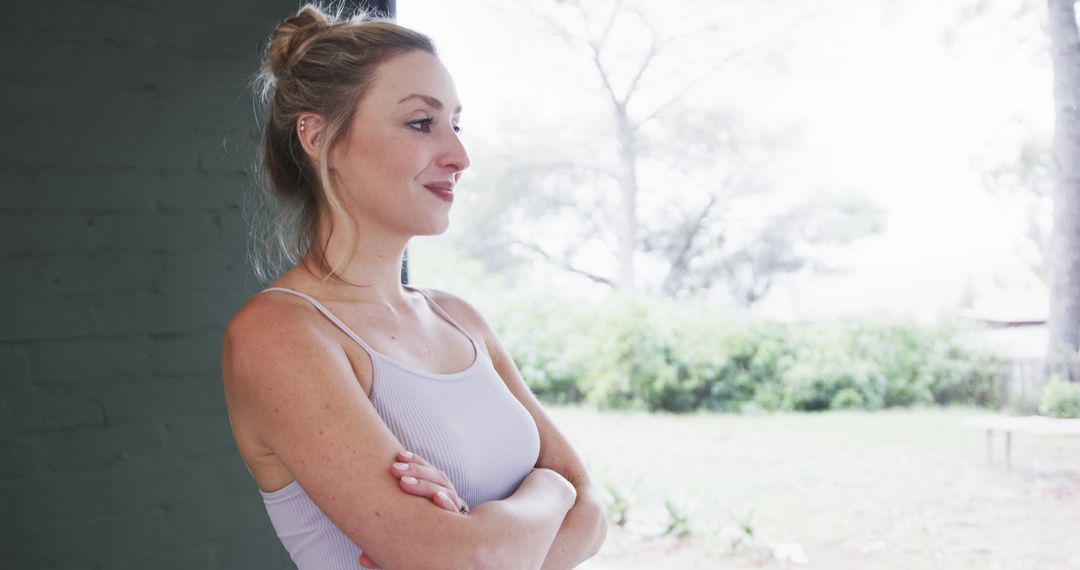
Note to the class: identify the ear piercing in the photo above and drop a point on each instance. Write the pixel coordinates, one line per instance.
(302, 121)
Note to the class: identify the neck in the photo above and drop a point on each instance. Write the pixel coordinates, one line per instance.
(368, 270)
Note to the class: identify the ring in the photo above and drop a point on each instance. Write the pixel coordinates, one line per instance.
(464, 508)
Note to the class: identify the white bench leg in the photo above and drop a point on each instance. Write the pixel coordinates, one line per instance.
(1008, 450)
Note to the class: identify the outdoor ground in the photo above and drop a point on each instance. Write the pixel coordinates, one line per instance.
(906, 489)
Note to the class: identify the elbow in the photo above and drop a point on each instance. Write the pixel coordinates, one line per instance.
(601, 532)
(601, 536)
(599, 519)
(592, 521)
(475, 557)
(493, 557)
(485, 558)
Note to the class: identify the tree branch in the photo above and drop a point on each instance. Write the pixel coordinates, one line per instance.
(565, 264)
(641, 71)
(681, 93)
(679, 263)
(610, 23)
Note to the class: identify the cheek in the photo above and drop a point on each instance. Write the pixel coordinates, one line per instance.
(395, 156)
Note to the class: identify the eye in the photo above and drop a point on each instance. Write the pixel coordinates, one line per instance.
(457, 128)
(422, 125)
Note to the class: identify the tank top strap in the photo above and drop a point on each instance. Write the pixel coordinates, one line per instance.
(443, 312)
(333, 318)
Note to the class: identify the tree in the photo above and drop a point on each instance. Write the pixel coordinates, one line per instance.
(665, 181)
(1064, 326)
(1017, 163)
(1024, 181)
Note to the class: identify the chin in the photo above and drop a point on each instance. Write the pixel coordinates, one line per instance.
(438, 229)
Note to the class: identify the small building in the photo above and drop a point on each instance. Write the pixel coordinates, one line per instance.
(1020, 340)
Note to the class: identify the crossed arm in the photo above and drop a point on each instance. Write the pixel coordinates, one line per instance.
(417, 477)
(583, 528)
(291, 378)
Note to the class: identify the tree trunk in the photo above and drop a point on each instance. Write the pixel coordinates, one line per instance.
(629, 186)
(1064, 254)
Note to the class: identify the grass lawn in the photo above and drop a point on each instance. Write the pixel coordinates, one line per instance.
(903, 489)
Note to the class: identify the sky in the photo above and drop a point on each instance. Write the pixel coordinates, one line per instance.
(887, 106)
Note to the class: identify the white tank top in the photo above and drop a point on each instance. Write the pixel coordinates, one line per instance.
(467, 424)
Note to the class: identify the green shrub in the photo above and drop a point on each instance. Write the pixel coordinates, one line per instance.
(632, 352)
(847, 399)
(1060, 399)
(545, 342)
(637, 363)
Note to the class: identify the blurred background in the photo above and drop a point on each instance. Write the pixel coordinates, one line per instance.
(706, 219)
(791, 161)
(765, 261)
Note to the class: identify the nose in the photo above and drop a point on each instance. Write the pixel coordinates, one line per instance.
(454, 155)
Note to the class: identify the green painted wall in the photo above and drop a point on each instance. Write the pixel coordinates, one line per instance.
(128, 140)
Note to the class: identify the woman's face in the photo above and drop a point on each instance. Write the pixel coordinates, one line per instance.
(402, 157)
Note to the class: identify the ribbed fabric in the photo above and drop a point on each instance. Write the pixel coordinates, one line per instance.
(467, 424)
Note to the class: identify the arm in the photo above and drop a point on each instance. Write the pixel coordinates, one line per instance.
(420, 478)
(582, 532)
(585, 526)
(294, 382)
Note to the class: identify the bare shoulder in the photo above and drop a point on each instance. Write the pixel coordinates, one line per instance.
(467, 315)
(264, 309)
(262, 313)
(267, 325)
(281, 305)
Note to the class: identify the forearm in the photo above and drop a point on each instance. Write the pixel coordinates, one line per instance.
(582, 532)
(519, 531)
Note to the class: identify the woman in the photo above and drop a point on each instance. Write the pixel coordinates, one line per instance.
(371, 437)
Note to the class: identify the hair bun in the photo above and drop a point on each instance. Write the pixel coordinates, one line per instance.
(290, 40)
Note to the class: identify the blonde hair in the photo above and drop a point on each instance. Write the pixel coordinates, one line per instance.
(323, 63)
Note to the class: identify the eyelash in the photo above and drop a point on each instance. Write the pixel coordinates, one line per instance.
(426, 125)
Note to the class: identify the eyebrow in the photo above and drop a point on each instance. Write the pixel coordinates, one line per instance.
(429, 100)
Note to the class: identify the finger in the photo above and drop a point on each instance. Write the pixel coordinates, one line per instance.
(424, 472)
(415, 465)
(367, 562)
(441, 496)
(410, 457)
(443, 499)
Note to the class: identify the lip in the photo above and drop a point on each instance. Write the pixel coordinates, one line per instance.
(443, 190)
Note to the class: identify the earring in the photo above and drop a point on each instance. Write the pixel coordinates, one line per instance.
(302, 121)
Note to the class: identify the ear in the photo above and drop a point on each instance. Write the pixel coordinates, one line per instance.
(309, 129)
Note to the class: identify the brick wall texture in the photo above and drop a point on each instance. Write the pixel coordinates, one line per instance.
(129, 140)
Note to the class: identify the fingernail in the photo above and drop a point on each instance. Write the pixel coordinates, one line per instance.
(401, 466)
(407, 454)
(442, 495)
(409, 480)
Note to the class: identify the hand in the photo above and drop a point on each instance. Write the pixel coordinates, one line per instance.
(420, 478)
